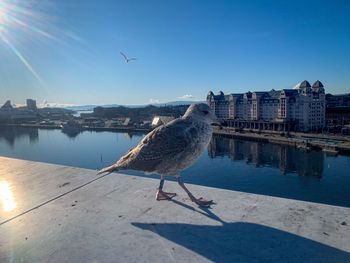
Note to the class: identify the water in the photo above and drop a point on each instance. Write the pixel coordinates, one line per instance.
(246, 166)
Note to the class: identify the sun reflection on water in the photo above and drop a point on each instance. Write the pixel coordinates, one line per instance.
(6, 196)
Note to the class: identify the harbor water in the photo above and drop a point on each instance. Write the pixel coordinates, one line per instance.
(247, 166)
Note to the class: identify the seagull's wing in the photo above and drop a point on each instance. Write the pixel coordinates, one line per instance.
(163, 143)
(124, 55)
(132, 59)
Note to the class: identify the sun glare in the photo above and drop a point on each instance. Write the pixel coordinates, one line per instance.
(6, 196)
(12, 16)
(2, 17)
(22, 22)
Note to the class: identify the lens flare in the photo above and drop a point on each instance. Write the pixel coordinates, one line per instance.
(19, 55)
(23, 22)
(33, 28)
(6, 196)
(11, 13)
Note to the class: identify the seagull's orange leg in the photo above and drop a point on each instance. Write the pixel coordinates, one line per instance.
(199, 201)
(161, 195)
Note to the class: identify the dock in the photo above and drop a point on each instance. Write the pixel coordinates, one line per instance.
(53, 213)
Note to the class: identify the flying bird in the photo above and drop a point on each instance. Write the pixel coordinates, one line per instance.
(171, 148)
(127, 59)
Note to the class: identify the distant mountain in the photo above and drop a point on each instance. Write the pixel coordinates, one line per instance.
(175, 103)
(91, 107)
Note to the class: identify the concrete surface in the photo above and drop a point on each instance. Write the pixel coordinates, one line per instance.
(66, 214)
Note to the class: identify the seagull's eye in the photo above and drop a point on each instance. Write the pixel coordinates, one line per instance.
(205, 112)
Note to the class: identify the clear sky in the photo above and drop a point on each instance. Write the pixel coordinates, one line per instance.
(68, 51)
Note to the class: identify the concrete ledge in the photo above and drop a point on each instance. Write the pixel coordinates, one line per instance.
(116, 219)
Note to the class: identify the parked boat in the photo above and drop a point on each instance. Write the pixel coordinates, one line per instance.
(71, 128)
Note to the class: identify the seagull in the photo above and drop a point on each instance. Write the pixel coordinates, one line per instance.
(171, 148)
(127, 59)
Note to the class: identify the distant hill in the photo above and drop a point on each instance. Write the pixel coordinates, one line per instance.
(139, 114)
(175, 103)
(91, 107)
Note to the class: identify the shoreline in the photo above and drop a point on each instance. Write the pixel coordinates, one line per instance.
(40, 126)
(329, 144)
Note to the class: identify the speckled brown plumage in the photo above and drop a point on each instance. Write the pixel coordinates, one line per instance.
(171, 148)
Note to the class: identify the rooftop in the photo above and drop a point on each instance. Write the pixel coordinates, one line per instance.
(317, 84)
(305, 84)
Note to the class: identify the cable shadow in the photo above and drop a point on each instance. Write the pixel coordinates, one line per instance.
(245, 242)
(204, 211)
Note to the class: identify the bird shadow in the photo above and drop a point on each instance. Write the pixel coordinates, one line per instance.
(245, 242)
(242, 241)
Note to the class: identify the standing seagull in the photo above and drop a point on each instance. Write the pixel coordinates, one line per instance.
(171, 148)
(127, 59)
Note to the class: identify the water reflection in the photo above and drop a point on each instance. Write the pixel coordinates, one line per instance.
(11, 133)
(287, 159)
(71, 134)
(129, 135)
(6, 196)
(94, 150)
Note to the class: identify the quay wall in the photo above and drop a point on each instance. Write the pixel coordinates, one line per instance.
(312, 142)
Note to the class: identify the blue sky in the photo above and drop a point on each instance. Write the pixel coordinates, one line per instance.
(182, 48)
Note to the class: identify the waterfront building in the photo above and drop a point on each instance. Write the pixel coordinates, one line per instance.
(301, 108)
(159, 120)
(7, 106)
(5, 111)
(31, 105)
(127, 122)
(338, 100)
(337, 111)
(9, 114)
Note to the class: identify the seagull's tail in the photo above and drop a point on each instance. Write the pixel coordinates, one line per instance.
(109, 169)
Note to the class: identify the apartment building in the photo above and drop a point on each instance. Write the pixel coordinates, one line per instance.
(301, 108)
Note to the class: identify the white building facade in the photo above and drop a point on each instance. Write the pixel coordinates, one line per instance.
(302, 108)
